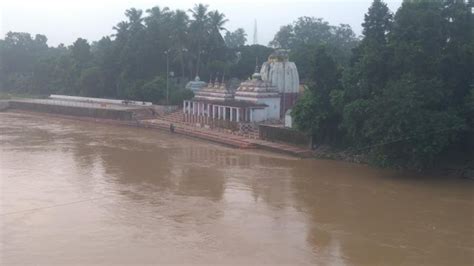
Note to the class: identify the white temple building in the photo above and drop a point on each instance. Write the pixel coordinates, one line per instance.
(254, 101)
(260, 92)
(283, 74)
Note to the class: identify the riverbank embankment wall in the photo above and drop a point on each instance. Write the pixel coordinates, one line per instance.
(72, 110)
(4, 105)
(286, 135)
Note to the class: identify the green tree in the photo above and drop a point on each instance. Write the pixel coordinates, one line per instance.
(400, 108)
(283, 38)
(216, 44)
(315, 113)
(180, 36)
(243, 65)
(369, 70)
(306, 34)
(198, 28)
(407, 126)
(91, 83)
(81, 53)
(236, 38)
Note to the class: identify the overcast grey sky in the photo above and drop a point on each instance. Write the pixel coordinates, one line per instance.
(63, 21)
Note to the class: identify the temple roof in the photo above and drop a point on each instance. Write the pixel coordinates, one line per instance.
(233, 103)
(214, 92)
(196, 84)
(257, 86)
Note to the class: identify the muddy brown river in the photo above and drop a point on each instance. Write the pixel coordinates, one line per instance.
(83, 193)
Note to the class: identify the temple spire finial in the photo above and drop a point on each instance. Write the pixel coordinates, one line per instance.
(256, 75)
(256, 65)
(210, 84)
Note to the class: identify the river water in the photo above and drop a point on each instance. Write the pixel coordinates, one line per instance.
(83, 193)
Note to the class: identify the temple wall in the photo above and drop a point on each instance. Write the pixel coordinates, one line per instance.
(259, 115)
(272, 111)
(288, 100)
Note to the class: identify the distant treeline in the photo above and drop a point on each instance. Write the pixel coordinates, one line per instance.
(403, 93)
(131, 63)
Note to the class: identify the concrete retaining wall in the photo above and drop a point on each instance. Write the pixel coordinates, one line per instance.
(281, 134)
(73, 110)
(4, 105)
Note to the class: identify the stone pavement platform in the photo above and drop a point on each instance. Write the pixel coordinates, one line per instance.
(226, 138)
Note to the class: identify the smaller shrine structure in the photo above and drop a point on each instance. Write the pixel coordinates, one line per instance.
(196, 84)
(254, 101)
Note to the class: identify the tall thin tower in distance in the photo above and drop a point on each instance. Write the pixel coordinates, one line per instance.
(255, 33)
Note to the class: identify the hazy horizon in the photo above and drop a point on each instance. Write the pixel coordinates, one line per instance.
(64, 21)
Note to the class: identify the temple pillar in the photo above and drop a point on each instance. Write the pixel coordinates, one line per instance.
(238, 112)
(231, 113)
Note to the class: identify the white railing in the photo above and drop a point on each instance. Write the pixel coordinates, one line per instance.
(76, 103)
(98, 100)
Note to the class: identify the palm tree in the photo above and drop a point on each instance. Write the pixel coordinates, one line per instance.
(121, 28)
(198, 28)
(135, 18)
(216, 22)
(216, 41)
(159, 27)
(157, 14)
(180, 23)
(200, 15)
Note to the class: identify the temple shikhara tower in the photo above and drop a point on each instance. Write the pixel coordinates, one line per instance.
(282, 74)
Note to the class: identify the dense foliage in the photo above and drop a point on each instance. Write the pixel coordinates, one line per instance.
(305, 35)
(131, 63)
(406, 96)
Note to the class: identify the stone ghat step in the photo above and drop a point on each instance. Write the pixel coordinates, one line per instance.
(229, 139)
(177, 117)
(202, 134)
